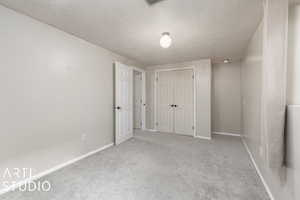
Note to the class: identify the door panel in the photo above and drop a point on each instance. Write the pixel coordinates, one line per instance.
(123, 103)
(137, 100)
(165, 96)
(184, 101)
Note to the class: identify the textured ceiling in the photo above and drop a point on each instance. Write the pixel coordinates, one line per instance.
(214, 29)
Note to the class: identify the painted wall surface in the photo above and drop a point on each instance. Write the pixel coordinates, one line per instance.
(226, 98)
(284, 183)
(293, 89)
(251, 73)
(203, 94)
(56, 94)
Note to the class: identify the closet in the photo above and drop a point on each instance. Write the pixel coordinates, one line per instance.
(175, 101)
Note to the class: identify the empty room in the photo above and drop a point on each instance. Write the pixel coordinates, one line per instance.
(150, 99)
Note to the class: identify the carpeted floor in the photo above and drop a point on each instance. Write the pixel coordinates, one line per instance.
(153, 166)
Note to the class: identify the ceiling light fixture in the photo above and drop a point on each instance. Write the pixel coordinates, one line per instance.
(226, 61)
(165, 40)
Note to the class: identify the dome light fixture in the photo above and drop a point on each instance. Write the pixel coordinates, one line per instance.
(165, 40)
(226, 61)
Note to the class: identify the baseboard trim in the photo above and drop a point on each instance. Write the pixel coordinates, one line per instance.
(227, 134)
(150, 130)
(53, 169)
(202, 137)
(258, 171)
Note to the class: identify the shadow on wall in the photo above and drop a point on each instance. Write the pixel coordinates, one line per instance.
(290, 174)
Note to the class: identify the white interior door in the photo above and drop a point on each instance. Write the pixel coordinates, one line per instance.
(164, 102)
(138, 100)
(184, 102)
(123, 103)
(175, 101)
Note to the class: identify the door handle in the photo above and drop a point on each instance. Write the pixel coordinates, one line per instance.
(118, 108)
(172, 105)
(175, 106)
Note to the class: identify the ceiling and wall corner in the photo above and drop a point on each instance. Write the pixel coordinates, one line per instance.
(215, 29)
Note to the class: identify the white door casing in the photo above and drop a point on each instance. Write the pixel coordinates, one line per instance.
(123, 102)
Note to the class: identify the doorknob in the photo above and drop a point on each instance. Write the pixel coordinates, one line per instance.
(175, 106)
(118, 108)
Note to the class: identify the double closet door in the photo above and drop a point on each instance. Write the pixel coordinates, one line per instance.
(175, 101)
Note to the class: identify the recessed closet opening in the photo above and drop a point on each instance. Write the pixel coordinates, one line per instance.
(175, 101)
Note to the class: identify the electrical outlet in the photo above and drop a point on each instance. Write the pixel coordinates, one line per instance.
(83, 137)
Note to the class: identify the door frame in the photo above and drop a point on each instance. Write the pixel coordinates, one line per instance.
(143, 105)
(155, 92)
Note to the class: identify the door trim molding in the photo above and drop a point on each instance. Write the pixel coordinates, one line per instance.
(155, 92)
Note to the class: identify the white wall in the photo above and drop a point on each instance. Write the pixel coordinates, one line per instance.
(284, 183)
(226, 97)
(293, 87)
(203, 94)
(54, 88)
(251, 76)
(293, 98)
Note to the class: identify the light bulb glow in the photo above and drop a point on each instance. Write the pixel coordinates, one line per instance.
(226, 61)
(165, 40)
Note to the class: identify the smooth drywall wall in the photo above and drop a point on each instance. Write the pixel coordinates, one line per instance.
(203, 94)
(284, 183)
(226, 97)
(251, 91)
(293, 79)
(56, 94)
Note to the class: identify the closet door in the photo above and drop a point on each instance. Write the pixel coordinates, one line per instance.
(184, 102)
(164, 100)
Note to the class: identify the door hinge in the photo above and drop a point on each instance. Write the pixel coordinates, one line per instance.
(193, 77)
(156, 78)
(193, 127)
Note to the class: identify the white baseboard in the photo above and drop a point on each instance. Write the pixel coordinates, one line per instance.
(258, 171)
(227, 134)
(202, 137)
(51, 170)
(151, 130)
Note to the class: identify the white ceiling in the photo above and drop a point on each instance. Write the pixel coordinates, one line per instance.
(200, 28)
